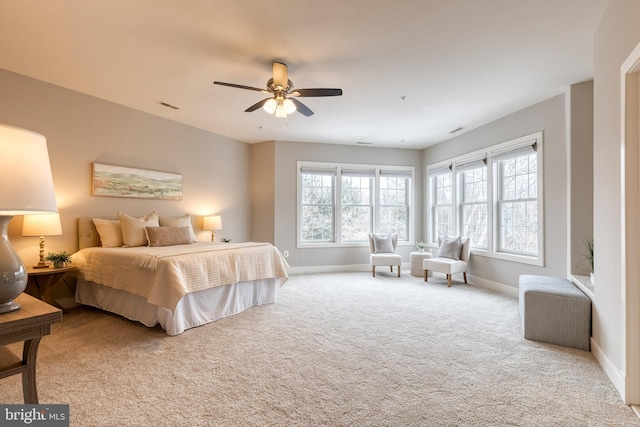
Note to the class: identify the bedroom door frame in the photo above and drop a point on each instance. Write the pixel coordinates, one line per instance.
(630, 238)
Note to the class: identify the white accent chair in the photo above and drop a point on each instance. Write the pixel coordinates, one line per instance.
(447, 265)
(383, 249)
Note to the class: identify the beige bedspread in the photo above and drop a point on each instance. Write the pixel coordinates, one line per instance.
(162, 275)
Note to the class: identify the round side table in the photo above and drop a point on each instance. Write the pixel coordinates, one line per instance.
(416, 263)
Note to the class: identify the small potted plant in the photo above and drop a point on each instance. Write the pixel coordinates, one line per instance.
(421, 245)
(225, 240)
(59, 259)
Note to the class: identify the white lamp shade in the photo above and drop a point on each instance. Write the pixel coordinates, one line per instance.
(26, 184)
(42, 225)
(289, 106)
(212, 222)
(270, 106)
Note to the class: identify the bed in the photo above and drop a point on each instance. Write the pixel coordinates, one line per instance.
(178, 286)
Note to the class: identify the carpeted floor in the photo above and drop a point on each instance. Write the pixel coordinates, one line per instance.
(341, 349)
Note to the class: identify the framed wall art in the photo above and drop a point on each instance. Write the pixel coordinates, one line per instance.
(121, 181)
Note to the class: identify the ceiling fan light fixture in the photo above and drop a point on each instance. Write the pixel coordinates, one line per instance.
(281, 111)
(289, 106)
(270, 106)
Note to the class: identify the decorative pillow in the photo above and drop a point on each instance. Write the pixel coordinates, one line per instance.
(109, 231)
(168, 236)
(133, 232)
(382, 244)
(450, 247)
(179, 221)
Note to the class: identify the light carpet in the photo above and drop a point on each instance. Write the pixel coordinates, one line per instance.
(341, 349)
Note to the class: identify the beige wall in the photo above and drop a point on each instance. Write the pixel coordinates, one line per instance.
(287, 155)
(580, 169)
(81, 129)
(263, 192)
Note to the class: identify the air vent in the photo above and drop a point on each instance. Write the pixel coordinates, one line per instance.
(456, 130)
(168, 105)
(364, 143)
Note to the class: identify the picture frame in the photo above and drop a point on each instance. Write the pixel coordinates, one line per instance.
(122, 181)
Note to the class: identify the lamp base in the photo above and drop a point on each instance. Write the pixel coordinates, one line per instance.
(8, 307)
(41, 265)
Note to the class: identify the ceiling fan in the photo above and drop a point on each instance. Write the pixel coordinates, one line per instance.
(283, 101)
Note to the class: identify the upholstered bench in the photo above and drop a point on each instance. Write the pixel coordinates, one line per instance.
(555, 311)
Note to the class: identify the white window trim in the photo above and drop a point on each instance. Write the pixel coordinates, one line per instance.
(338, 201)
(492, 226)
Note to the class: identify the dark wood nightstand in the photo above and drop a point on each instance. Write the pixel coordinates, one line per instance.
(40, 280)
(29, 323)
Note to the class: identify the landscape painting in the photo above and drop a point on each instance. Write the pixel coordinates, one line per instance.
(120, 181)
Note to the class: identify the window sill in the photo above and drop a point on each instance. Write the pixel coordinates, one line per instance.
(584, 284)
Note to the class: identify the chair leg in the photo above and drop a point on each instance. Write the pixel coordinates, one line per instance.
(399, 271)
(448, 280)
(373, 270)
(465, 276)
(426, 275)
(391, 268)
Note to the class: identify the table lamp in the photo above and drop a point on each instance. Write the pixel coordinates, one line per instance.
(41, 225)
(212, 223)
(26, 187)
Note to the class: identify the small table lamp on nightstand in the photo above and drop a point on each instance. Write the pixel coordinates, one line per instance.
(212, 223)
(41, 225)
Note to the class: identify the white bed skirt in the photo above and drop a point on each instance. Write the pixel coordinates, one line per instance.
(193, 309)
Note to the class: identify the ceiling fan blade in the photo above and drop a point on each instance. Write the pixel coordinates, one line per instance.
(280, 75)
(317, 92)
(241, 86)
(301, 108)
(257, 105)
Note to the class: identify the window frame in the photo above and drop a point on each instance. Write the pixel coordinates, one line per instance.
(492, 154)
(337, 242)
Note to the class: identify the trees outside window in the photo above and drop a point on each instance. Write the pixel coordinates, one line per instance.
(492, 196)
(342, 203)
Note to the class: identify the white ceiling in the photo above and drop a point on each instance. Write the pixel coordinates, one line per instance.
(459, 63)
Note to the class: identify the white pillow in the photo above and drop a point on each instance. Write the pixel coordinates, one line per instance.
(382, 244)
(110, 232)
(450, 247)
(179, 221)
(133, 232)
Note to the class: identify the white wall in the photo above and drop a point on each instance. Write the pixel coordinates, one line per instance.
(81, 129)
(616, 36)
(549, 117)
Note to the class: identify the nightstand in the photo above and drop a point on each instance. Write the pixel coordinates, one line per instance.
(39, 280)
(29, 323)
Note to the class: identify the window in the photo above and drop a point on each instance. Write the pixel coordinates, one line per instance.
(317, 204)
(473, 201)
(518, 203)
(492, 196)
(357, 205)
(394, 203)
(441, 203)
(340, 204)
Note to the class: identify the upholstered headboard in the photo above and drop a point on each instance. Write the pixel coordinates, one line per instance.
(88, 236)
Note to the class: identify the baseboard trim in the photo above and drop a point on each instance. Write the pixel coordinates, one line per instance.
(616, 377)
(495, 286)
(406, 267)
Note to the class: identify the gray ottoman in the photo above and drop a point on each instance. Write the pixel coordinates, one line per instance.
(555, 311)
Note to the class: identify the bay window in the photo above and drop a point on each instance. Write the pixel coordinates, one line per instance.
(494, 197)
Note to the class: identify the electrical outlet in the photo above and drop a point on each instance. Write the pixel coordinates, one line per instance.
(286, 254)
